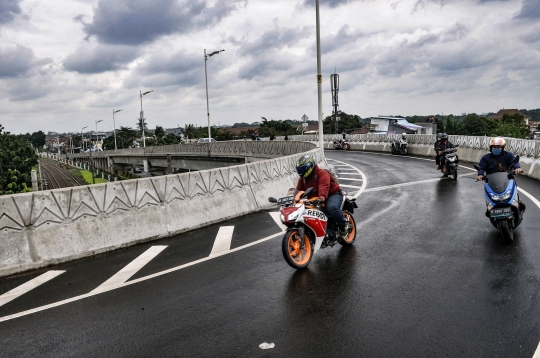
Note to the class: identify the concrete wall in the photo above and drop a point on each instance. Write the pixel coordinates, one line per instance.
(48, 227)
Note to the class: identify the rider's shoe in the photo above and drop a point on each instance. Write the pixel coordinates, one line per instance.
(438, 167)
(445, 175)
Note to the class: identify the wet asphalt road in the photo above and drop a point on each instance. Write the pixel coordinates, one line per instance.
(427, 277)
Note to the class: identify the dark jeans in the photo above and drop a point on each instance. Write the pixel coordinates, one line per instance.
(333, 208)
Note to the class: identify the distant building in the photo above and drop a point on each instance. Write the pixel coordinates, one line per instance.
(397, 125)
(175, 131)
(510, 112)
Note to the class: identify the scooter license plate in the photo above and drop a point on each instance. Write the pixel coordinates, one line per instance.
(500, 212)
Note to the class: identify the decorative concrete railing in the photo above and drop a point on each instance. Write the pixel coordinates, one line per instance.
(48, 227)
(261, 149)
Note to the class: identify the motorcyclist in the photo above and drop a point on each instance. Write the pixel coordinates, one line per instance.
(497, 160)
(403, 139)
(444, 144)
(435, 148)
(326, 189)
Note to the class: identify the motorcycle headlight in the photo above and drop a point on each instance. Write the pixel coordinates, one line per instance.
(282, 218)
(501, 197)
(293, 216)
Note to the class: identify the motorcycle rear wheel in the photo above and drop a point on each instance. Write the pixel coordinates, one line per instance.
(352, 235)
(291, 246)
(507, 232)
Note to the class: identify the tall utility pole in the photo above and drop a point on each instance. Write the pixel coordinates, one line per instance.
(334, 84)
(142, 118)
(114, 124)
(319, 75)
(206, 81)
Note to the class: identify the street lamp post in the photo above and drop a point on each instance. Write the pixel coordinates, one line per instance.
(114, 124)
(142, 117)
(206, 80)
(82, 138)
(319, 75)
(101, 120)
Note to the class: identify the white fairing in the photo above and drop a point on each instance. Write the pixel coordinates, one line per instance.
(319, 215)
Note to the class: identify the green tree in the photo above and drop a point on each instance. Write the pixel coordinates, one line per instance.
(16, 161)
(474, 125)
(346, 123)
(510, 126)
(272, 127)
(170, 138)
(159, 133)
(37, 139)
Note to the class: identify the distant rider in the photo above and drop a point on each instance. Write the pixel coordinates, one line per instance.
(403, 139)
(498, 160)
(327, 190)
(443, 145)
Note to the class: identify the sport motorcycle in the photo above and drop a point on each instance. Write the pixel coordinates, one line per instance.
(341, 144)
(309, 228)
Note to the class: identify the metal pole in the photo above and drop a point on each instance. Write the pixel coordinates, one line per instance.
(114, 126)
(319, 75)
(206, 81)
(142, 123)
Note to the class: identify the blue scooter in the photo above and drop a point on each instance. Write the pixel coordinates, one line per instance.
(504, 209)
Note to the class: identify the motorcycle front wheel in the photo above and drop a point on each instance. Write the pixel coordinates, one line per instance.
(352, 234)
(293, 252)
(454, 173)
(346, 147)
(505, 227)
(403, 150)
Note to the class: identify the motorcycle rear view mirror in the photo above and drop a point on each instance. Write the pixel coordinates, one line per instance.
(516, 159)
(476, 167)
(309, 190)
(272, 199)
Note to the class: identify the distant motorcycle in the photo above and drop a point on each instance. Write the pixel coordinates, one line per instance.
(341, 144)
(451, 162)
(399, 147)
(504, 208)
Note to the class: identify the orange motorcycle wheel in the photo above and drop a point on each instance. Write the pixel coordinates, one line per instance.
(293, 252)
(349, 239)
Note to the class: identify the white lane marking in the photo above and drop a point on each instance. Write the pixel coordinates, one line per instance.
(409, 183)
(533, 199)
(131, 269)
(350, 186)
(353, 179)
(145, 278)
(28, 286)
(364, 182)
(223, 241)
(537, 352)
(276, 216)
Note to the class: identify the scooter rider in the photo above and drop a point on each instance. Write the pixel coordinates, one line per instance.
(443, 144)
(327, 190)
(498, 160)
(403, 139)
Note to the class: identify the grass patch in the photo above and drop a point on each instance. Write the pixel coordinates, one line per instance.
(87, 176)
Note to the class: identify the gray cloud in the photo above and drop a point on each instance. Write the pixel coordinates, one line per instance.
(329, 3)
(101, 58)
(8, 10)
(272, 40)
(134, 22)
(529, 10)
(16, 61)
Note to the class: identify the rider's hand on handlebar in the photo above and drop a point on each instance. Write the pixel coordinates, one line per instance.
(518, 170)
(480, 177)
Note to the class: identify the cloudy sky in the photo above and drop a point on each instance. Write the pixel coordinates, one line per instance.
(66, 64)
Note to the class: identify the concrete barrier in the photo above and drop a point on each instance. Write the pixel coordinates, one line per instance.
(471, 149)
(48, 227)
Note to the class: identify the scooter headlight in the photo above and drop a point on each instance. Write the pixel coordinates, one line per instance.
(501, 197)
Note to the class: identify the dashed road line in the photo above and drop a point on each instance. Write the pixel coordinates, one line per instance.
(28, 286)
(276, 216)
(131, 269)
(362, 175)
(223, 241)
